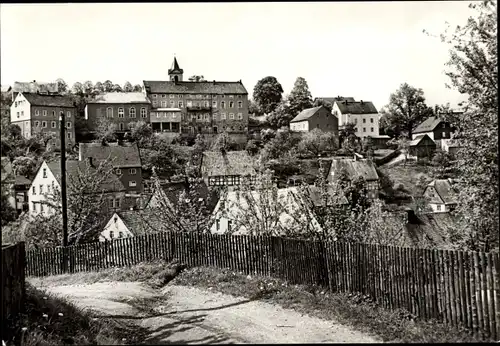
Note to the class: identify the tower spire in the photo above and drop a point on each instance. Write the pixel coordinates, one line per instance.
(175, 72)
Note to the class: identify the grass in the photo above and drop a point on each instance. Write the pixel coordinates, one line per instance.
(49, 320)
(354, 310)
(408, 176)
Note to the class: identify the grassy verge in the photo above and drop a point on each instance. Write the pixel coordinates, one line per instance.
(155, 274)
(49, 320)
(354, 310)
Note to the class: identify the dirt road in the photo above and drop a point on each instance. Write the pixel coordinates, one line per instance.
(195, 316)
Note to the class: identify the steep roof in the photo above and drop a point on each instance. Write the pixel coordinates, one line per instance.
(5, 88)
(444, 190)
(356, 107)
(73, 167)
(306, 114)
(48, 100)
(333, 198)
(428, 125)
(139, 222)
(231, 163)
(122, 155)
(175, 67)
(419, 139)
(121, 97)
(332, 100)
(360, 167)
(21, 180)
(214, 87)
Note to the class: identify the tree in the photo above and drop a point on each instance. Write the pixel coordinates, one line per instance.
(99, 87)
(25, 165)
(254, 109)
(281, 115)
(9, 214)
(137, 88)
(141, 132)
(403, 145)
(406, 110)
(77, 89)
(442, 165)
(367, 147)
(316, 142)
(223, 143)
(116, 88)
(62, 87)
(197, 78)
(105, 130)
(320, 102)
(87, 212)
(127, 87)
(300, 97)
(473, 71)
(108, 86)
(252, 147)
(268, 94)
(88, 88)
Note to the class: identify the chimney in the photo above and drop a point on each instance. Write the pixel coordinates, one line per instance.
(362, 103)
(214, 81)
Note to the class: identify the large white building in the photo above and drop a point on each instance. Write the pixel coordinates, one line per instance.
(361, 113)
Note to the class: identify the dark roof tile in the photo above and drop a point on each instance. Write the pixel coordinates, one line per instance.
(357, 107)
(49, 100)
(306, 114)
(126, 155)
(215, 163)
(216, 87)
(428, 125)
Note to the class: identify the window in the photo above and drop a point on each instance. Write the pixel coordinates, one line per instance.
(371, 129)
(180, 96)
(68, 114)
(69, 135)
(207, 117)
(371, 120)
(53, 113)
(18, 114)
(231, 96)
(132, 171)
(223, 96)
(132, 183)
(231, 104)
(364, 129)
(172, 96)
(37, 112)
(117, 203)
(199, 117)
(172, 104)
(164, 104)
(155, 96)
(199, 96)
(41, 189)
(223, 116)
(438, 207)
(44, 124)
(217, 222)
(231, 116)
(155, 103)
(118, 171)
(163, 96)
(444, 134)
(364, 121)
(240, 104)
(121, 112)
(53, 124)
(214, 104)
(181, 104)
(37, 124)
(131, 112)
(143, 112)
(120, 126)
(229, 222)
(111, 234)
(34, 191)
(207, 103)
(44, 113)
(189, 103)
(68, 125)
(45, 172)
(120, 234)
(356, 129)
(222, 104)
(41, 207)
(443, 125)
(240, 116)
(33, 205)
(109, 112)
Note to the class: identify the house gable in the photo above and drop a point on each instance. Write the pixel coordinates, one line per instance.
(21, 106)
(431, 193)
(48, 183)
(115, 225)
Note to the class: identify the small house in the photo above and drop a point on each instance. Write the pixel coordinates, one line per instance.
(364, 168)
(127, 224)
(442, 197)
(436, 128)
(227, 168)
(421, 146)
(315, 118)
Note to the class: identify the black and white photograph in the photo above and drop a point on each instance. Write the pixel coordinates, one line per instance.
(249, 172)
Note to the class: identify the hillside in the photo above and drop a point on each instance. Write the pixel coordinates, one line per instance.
(413, 177)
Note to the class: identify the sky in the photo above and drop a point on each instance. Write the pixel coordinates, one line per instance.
(361, 49)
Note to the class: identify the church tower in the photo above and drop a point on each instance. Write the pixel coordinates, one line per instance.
(175, 73)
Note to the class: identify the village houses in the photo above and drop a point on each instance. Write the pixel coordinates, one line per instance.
(227, 168)
(436, 128)
(206, 107)
(442, 198)
(119, 108)
(47, 181)
(357, 168)
(422, 146)
(362, 114)
(315, 118)
(35, 112)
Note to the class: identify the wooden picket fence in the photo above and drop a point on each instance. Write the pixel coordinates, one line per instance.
(456, 287)
(13, 281)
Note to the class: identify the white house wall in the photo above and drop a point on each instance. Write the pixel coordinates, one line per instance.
(46, 187)
(443, 208)
(300, 126)
(430, 134)
(23, 108)
(115, 225)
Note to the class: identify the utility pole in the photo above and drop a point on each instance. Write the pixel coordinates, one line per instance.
(62, 124)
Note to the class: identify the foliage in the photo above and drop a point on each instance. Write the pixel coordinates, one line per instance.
(281, 116)
(442, 163)
(252, 148)
(267, 93)
(127, 87)
(223, 143)
(281, 146)
(473, 70)
(141, 133)
(62, 87)
(300, 97)
(367, 147)
(253, 108)
(107, 86)
(403, 145)
(405, 111)
(8, 212)
(267, 134)
(316, 142)
(26, 165)
(87, 208)
(320, 102)
(105, 131)
(77, 89)
(137, 88)
(197, 78)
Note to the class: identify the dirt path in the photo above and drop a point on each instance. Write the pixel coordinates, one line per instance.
(192, 315)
